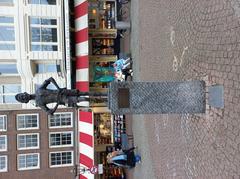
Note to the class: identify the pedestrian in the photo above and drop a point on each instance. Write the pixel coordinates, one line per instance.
(127, 73)
(122, 64)
(123, 158)
(119, 76)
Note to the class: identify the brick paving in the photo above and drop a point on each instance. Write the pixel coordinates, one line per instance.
(186, 40)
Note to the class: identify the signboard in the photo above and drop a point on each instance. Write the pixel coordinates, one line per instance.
(67, 43)
(93, 169)
(100, 168)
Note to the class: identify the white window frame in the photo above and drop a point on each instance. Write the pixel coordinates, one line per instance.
(8, 25)
(4, 117)
(28, 148)
(40, 26)
(7, 3)
(6, 142)
(43, 4)
(45, 67)
(28, 168)
(6, 163)
(57, 127)
(9, 74)
(30, 128)
(60, 146)
(61, 165)
(8, 94)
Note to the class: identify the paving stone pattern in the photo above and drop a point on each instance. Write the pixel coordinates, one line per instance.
(159, 97)
(189, 40)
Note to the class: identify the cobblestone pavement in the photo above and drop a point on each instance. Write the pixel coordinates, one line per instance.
(185, 40)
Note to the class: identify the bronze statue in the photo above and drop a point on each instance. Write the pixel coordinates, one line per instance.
(60, 96)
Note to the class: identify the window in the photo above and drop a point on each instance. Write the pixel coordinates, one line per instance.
(3, 143)
(8, 69)
(61, 159)
(61, 139)
(3, 163)
(46, 2)
(7, 33)
(59, 120)
(6, 2)
(27, 121)
(3, 122)
(43, 34)
(28, 141)
(46, 68)
(28, 161)
(8, 92)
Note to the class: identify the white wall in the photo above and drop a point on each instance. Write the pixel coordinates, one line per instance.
(23, 55)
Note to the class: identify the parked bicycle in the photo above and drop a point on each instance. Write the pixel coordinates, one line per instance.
(123, 1)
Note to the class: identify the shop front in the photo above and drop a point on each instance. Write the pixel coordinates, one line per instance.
(105, 141)
(96, 47)
(99, 133)
(96, 51)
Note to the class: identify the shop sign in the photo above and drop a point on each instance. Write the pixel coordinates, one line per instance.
(67, 43)
(100, 168)
(93, 169)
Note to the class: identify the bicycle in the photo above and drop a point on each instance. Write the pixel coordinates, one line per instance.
(123, 1)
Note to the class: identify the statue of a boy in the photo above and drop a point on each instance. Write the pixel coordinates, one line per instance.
(60, 96)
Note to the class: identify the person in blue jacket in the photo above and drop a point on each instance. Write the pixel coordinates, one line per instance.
(124, 158)
(121, 64)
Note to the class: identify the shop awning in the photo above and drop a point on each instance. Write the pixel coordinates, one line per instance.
(81, 39)
(86, 142)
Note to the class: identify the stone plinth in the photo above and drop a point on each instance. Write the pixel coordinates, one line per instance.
(157, 97)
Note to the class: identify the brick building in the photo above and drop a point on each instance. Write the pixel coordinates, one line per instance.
(34, 145)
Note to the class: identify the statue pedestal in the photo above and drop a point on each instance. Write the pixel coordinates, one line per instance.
(157, 97)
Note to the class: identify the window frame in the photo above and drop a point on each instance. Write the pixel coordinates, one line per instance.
(4, 117)
(6, 163)
(31, 128)
(9, 74)
(61, 165)
(6, 143)
(42, 4)
(45, 68)
(40, 27)
(2, 86)
(28, 168)
(60, 146)
(57, 127)
(7, 24)
(28, 148)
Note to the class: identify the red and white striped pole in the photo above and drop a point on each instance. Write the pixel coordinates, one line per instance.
(81, 38)
(85, 119)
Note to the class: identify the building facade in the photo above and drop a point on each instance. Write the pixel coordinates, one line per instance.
(36, 43)
(32, 46)
(34, 145)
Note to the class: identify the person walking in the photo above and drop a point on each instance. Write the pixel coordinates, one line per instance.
(124, 158)
(121, 64)
(127, 73)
